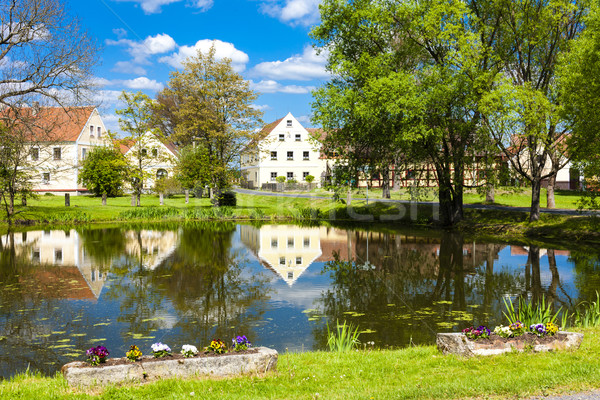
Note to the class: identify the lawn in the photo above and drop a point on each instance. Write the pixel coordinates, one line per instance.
(417, 372)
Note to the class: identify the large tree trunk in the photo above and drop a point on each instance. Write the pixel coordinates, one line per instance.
(536, 187)
(550, 192)
(490, 194)
(385, 188)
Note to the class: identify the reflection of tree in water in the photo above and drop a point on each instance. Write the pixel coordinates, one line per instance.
(103, 245)
(408, 288)
(203, 282)
(29, 309)
(587, 274)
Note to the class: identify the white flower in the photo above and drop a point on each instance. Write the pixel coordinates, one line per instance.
(189, 350)
(160, 347)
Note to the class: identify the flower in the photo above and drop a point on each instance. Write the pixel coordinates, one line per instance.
(538, 329)
(97, 355)
(217, 346)
(482, 332)
(241, 343)
(188, 350)
(134, 353)
(503, 331)
(551, 328)
(161, 350)
(517, 328)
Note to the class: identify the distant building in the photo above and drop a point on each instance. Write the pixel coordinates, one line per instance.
(285, 148)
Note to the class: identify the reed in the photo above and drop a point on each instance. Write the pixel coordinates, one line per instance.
(529, 312)
(344, 338)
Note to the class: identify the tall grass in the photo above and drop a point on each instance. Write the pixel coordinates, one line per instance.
(587, 313)
(344, 338)
(150, 213)
(530, 313)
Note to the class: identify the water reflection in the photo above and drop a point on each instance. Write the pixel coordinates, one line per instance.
(62, 291)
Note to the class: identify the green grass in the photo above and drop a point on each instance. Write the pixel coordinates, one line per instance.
(412, 373)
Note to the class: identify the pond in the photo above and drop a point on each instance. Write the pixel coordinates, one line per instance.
(63, 291)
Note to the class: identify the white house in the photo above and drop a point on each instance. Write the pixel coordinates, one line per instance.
(285, 148)
(60, 140)
(157, 156)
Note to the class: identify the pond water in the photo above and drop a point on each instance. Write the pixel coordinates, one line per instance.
(63, 291)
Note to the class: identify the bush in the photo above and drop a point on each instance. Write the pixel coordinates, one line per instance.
(225, 199)
(168, 187)
(280, 179)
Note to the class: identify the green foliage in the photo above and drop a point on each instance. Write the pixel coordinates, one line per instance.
(344, 338)
(529, 313)
(307, 213)
(149, 213)
(103, 171)
(309, 178)
(587, 313)
(193, 167)
(62, 218)
(168, 186)
(280, 179)
(225, 199)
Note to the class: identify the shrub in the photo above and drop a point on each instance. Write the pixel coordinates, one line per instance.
(280, 179)
(225, 199)
(167, 186)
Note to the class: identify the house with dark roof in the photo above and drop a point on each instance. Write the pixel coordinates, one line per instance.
(284, 149)
(59, 138)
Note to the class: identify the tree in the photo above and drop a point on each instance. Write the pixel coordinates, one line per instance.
(408, 80)
(193, 167)
(45, 57)
(214, 111)
(523, 112)
(142, 142)
(103, 172)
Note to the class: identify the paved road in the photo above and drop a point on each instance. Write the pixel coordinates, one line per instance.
(558, 211)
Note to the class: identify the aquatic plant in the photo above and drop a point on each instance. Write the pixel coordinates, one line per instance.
(529, 313)
(97, 355)
(345, 338)
(587, 314)
(161, 350)
(187, 350)
(134, 353)
(240, 343)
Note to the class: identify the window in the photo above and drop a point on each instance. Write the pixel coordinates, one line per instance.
(46, 177)
(67, 234)
(289, 123)
(161, 173)
(298, 137)
(35, 154)
(35, 256)
(91, 131)
(291, 275)
(83, 153)
(58, 255)
(290, 242)
(298, 260)
(57, 153)
(273, 156)
(304, 175)
(306, 242)
(305, 155)
(290, 175)
(273, 176)
(99, 132)
(93, 275)
(144, 152)
(274, 243)
(281, 137)
(281, 260)
(154, 152)
(290, 155)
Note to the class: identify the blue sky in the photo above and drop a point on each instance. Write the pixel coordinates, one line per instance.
(267, 40)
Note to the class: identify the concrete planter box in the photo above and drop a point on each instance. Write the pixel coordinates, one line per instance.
(81, 374)
(458, 343)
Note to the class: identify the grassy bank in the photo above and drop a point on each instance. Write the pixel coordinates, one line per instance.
(418, 372)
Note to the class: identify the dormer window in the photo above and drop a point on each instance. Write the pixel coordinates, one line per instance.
(298, 137)
(155, 153)
(91, 131)
(289, 123)
(281, 137)
(99, 132)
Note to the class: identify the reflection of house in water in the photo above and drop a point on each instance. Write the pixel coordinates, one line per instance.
(286, 250)
(152, 247)
(77, 276)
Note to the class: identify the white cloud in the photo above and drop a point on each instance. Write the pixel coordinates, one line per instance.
(305, 119)
(261, 107)
(152, 45)
(293, 12)
(143, 83)
(154, 6)
(239, 59)
(111, 121)
(302, 67)
(128, 67)
(270, 86)
(120, 32)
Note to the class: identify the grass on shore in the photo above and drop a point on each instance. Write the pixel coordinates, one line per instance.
(412, 373)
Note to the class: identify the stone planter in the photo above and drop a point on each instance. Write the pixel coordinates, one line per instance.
(458, 343)
(81, 374)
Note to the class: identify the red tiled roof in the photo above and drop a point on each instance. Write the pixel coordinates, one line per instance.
(126, 144)
(55, 123)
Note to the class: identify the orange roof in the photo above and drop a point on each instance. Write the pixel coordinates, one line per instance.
(126, 144)
(55, 123)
